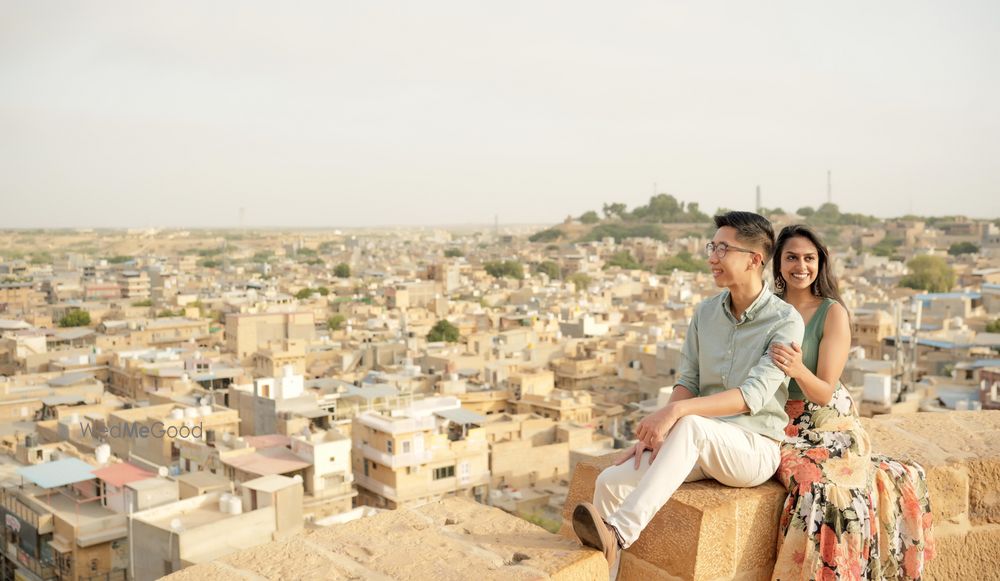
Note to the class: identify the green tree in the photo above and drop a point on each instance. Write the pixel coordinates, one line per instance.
(549, 268)
(505, 269)
(342, 270)
(443, 331)
(545, 235)
(929, 273)
(209, 263)
(805, 211)
(615, 209)
(828, 213)
(683, 261)
(120, 259)
(453, 253)
(166, 313)
(620, 232)
(323, 291)
(335, 322)
(580, 280)
(304, 294)
(887, 246)
(143, 303)
(262, 256)
(624, 260)
(962, 248)
(993, 326)
(75, 318)
(590, 217)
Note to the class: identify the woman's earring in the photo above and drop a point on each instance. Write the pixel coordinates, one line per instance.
(779, 284)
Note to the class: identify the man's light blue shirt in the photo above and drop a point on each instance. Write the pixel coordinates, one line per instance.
(721, 352)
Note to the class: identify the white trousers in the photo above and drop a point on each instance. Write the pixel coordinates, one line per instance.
(696, 448)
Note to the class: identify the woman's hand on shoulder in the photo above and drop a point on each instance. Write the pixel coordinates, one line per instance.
(788, 358)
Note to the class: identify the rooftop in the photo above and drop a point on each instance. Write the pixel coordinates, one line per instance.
(58, 473)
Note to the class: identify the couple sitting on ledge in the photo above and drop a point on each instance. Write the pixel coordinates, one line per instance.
(758, 394)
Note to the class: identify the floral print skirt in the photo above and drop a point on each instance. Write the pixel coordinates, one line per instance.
(849, 514)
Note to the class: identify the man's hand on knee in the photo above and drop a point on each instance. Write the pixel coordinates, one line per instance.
(653, 429)
(633, 452)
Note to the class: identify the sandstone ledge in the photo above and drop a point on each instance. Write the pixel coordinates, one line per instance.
(709, 531)
(452, 539)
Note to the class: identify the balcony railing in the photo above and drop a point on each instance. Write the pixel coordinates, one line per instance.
(395, 461)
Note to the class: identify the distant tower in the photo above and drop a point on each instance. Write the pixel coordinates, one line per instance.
(758, 200)
(829, 188)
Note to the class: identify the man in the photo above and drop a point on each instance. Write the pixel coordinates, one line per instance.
(726, 417)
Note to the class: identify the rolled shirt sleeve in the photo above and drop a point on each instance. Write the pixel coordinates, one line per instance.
(765, 378)
(688, 376)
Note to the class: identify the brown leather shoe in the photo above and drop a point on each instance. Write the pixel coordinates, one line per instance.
(593, 532)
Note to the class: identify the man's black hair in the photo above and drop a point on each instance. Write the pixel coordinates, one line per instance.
(751, 228)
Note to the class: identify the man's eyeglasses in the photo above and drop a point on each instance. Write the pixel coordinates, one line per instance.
(722, 248)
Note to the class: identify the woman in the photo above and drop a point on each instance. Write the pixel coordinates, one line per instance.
(849, 514)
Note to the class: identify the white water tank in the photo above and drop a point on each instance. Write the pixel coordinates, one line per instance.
(206, 410)
(224, 502)
(663, 397)
(878, 388)
(235, 505)
(103, 453)
(177, 414)
(190, 412)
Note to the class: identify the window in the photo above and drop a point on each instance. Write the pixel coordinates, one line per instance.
(406, 447)
(388, 446)
(444, 472)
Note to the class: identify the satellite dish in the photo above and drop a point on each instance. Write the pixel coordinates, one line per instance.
(162, 471)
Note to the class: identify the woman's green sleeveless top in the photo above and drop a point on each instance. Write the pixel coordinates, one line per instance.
(810, 345)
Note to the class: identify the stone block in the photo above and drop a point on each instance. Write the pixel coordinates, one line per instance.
(949, 488)
(706, 531)
(965, 552)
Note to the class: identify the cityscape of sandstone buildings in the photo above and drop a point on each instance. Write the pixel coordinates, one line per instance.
(169, 397)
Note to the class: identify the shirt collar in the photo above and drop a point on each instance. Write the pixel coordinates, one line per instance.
(752, 311)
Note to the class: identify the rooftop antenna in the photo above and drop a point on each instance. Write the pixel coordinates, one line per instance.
(758, 199)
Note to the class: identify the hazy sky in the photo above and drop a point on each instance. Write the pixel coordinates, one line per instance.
(124, 113)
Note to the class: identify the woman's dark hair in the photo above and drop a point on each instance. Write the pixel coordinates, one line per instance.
(825, 284)
(752, 228)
